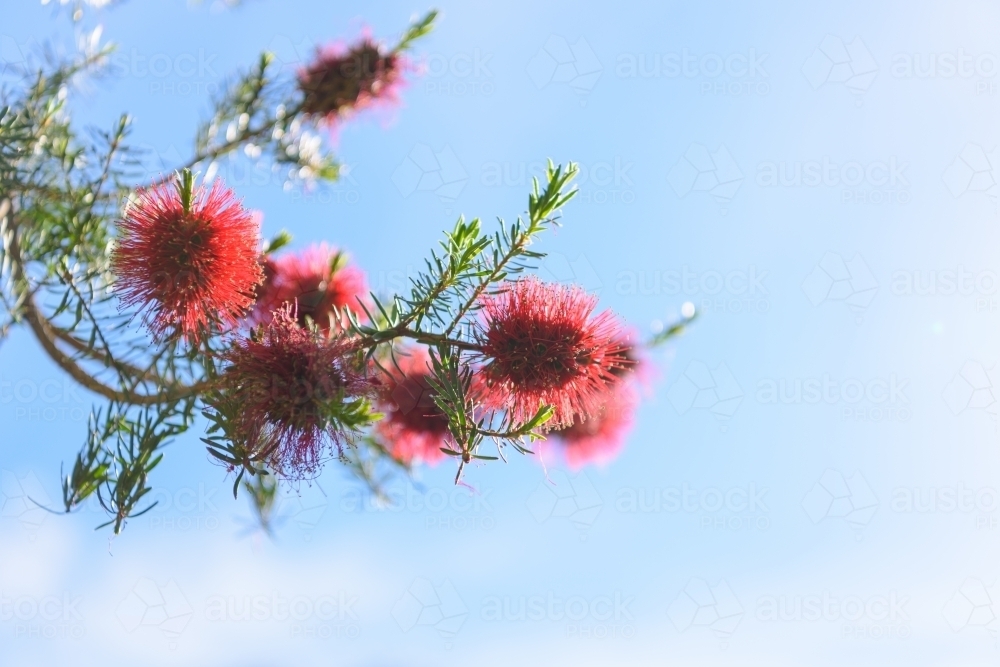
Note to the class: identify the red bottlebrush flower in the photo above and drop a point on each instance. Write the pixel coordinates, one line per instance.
(414, 428)
(189, 258)
(600, 437)
(341, 80)
(295, 387)
(315, 282)
(541, 345)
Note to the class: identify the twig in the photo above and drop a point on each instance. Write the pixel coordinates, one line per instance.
(47, 336)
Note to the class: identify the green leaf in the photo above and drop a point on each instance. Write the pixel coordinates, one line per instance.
(277, 242)
(417, 30)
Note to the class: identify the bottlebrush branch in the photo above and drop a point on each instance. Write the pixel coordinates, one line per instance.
(163, 300)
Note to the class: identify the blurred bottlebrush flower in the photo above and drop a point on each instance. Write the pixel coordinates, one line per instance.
(540, 345)
(316, 281)
(640, 372)
(632, 350)
(342, 80)
(188, 258)
(413, 428)
(303, 394)
(600, 437)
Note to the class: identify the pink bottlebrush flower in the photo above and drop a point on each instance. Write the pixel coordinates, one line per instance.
(600, 438)
(342, 80)
(188, 257)
(315, 281)
(639, 370)
(292, 383)
(414, 427)
(540, 345)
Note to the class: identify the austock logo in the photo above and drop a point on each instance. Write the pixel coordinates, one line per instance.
(24, 499)
(302, 505)
(462, 74)
(944, 65)
(185, 509)
(182, 74)
(704, 388)
(975, 387)
(14, 56)
(455, 508)
(877, 399)
(291, 52)
(426, 605)
(731, 74)
(876, 617)
(598, 182)
(834, 496)
(154, 163)
(149, 605)
(734, 508)
(982, 285)
(564, 497)
(974, 170)
(559, 268)
(427, 170)
(43, 616)
(735, 291)
(558, 61)
(870, 182)
(839, 63)
(345, 190)
(713, 608)
(151, 163)
(974, 607)
(309, 616)
(982, 502)
(977, 66)
(596, 617)
(48, 400)
(850, 282)
(713, 172)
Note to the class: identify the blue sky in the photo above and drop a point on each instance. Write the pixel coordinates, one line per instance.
(813, 476)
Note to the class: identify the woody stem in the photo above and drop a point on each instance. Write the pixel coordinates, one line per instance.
(438, 339)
